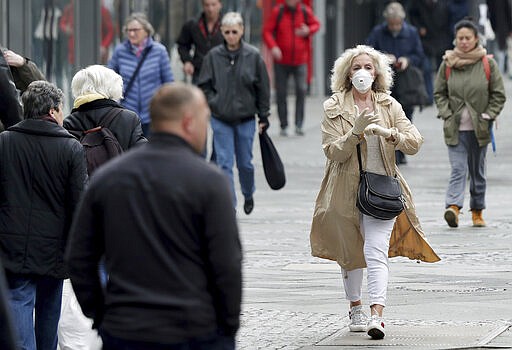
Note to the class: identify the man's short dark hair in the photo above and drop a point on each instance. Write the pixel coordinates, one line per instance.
(168, 102)
(39, 98)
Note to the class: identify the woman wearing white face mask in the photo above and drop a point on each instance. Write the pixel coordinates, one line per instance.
(361, 111)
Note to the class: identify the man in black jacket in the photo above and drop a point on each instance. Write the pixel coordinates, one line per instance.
(235, 81)
(163, 219)
(43, 175)
(198, 36)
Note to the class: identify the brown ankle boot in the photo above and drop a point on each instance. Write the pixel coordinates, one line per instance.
(451, 215)
(478, 220)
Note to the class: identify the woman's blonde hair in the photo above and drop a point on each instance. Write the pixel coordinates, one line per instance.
(97, 79)
(340, 78)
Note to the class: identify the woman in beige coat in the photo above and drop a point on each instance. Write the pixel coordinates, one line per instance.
(361, 111)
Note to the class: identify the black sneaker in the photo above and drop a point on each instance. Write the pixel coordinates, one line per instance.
(248, 205)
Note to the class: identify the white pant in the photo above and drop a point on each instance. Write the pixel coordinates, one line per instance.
(376, 234)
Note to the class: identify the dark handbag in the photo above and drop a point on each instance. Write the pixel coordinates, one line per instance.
(272, 165)
(409, 87)
(379, 196)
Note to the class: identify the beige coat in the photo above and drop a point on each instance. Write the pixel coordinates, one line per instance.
(335, 231)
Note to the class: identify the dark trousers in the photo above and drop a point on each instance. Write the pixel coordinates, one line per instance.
(281, 75)
(210, 342)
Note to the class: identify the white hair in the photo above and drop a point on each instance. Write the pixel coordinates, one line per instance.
(99, 80)
(340, 79)
(232, 19)
(394, 10)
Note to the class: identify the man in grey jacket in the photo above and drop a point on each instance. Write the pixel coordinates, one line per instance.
(235, 81)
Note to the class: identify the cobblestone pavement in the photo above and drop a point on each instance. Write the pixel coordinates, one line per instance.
(294, 301)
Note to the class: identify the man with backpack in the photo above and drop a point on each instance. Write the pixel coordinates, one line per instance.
(287, 33)
(104, 127)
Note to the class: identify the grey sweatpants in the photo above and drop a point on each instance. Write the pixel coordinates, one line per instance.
(466, 156)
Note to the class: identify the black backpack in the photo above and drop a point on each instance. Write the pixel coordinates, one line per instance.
(99, 143)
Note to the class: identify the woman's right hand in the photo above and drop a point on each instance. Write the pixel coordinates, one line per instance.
(363, 119)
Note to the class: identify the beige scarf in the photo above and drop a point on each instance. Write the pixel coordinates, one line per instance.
(80, 100)
(456, 58)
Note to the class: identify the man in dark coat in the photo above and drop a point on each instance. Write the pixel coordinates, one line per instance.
(235, 81)
(43, 175)
(198, 36)
(162, 218)
(401, 42)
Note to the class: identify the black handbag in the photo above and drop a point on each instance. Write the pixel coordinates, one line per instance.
(409, 87)
(379, 196)
(272, 165)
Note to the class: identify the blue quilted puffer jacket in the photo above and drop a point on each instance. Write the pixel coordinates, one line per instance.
(155, 71)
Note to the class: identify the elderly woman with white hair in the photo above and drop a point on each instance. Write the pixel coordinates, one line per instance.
(97, 91)
(361, 112)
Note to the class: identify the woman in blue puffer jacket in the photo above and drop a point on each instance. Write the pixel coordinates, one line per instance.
(154, 71)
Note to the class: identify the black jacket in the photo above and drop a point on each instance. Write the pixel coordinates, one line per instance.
(236, 84)
(170, 242)
(194, 35)
(10, 107)
(125, 126)
(42, 175)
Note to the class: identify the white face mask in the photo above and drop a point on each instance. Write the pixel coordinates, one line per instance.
(362, 80)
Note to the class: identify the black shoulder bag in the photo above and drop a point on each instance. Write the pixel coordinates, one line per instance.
(136, 72)
(379, 196)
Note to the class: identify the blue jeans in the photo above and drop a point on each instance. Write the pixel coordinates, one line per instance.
(467, 156)
(42, 294)
(210, 342)
(235, 141)
(281, 74)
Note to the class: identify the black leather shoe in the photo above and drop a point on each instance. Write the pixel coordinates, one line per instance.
(248, 205)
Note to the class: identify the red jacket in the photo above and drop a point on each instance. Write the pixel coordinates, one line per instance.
(295, 49)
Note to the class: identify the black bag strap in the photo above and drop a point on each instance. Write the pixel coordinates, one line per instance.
(109, 117)
(136, 72)
(106, 120)
(359, 158)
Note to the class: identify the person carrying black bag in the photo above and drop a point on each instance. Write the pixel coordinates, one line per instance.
(236, 84)
(361, 113)
(401, 42)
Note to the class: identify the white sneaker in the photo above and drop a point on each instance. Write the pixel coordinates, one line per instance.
(357, 319)
(375, 327)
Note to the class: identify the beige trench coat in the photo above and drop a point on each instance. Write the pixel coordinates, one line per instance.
(335, 231)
